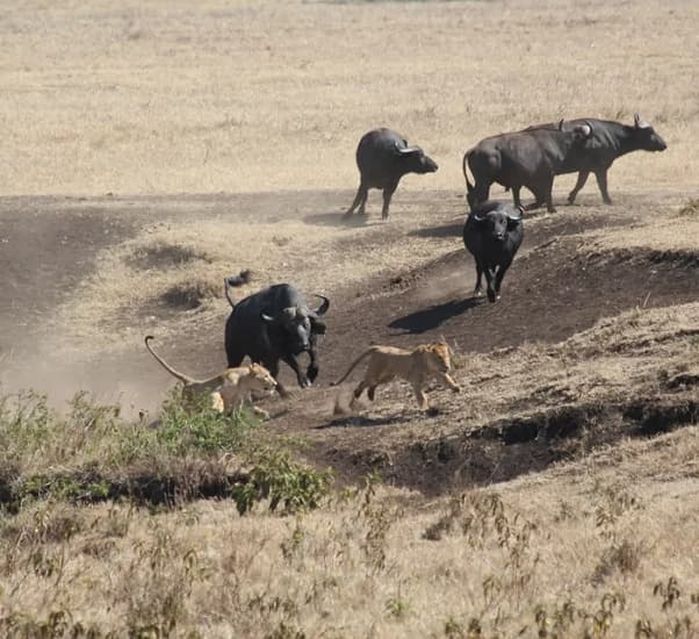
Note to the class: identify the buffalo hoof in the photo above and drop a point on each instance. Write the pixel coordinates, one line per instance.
(491, 296)
(312, 373)
(477, 293)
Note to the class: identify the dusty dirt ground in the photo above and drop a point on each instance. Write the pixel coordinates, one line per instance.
(75, 332)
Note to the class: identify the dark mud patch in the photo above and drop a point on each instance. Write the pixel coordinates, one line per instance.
(551, 292)
(506, 449)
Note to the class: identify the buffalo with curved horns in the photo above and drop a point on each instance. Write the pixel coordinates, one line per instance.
(383, 158)
(609, 141)
(275, 324)
(529, 158)
(493, 233)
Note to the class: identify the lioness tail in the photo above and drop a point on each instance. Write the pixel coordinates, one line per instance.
(181, 376)
(366, 353)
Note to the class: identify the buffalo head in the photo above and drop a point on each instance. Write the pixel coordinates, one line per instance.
(299, 323)
(647, 138)
(496, 223)
(415, 160)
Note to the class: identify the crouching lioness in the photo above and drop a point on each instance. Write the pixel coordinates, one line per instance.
(228, 390)
(416, 366)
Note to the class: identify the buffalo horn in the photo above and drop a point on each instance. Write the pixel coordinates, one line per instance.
(407, 150)
(266, 317)
(587, 129)
(323, 308)
(560, 124)
(478, 218)
(636, 119)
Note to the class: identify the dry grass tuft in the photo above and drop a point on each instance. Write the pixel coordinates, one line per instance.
(159, 255)
(691, 208)
(190, 295)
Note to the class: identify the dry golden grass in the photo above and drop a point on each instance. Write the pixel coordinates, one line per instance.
(508, 560)
(252, 96)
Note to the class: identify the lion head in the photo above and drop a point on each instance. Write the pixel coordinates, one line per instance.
(260, 380)
(436, 356)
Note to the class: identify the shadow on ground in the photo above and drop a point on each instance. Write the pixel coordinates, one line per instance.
(430, 318)
(337, 218)
(445, 230)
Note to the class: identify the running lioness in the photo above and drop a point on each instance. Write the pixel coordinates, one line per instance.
(416, 366)
(228, 390)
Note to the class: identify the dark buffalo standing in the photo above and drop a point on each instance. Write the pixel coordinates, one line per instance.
(528, 158)
(274, 324)
(493, 232)
(383, 158)
(609, 141)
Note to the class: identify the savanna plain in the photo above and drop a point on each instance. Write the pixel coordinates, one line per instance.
(152, 149)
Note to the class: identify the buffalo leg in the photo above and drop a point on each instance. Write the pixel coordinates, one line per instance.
(539, 198)
(489, 277)
(548, 197)
(499, 277)
(300, 375)
(515, 195)
(359, 200)
(235, 357)
(582, 178)
(312, 370)
(477, 292)
(601, 176)
(387, 195)
(483, 192)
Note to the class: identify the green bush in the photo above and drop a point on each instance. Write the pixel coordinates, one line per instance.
(93, 454)
(275, 476)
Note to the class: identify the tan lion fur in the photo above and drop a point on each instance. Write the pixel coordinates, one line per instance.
(228, 390)
(416, 366)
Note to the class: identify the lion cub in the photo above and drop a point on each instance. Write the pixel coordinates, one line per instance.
(228, 390)
(416, 366)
